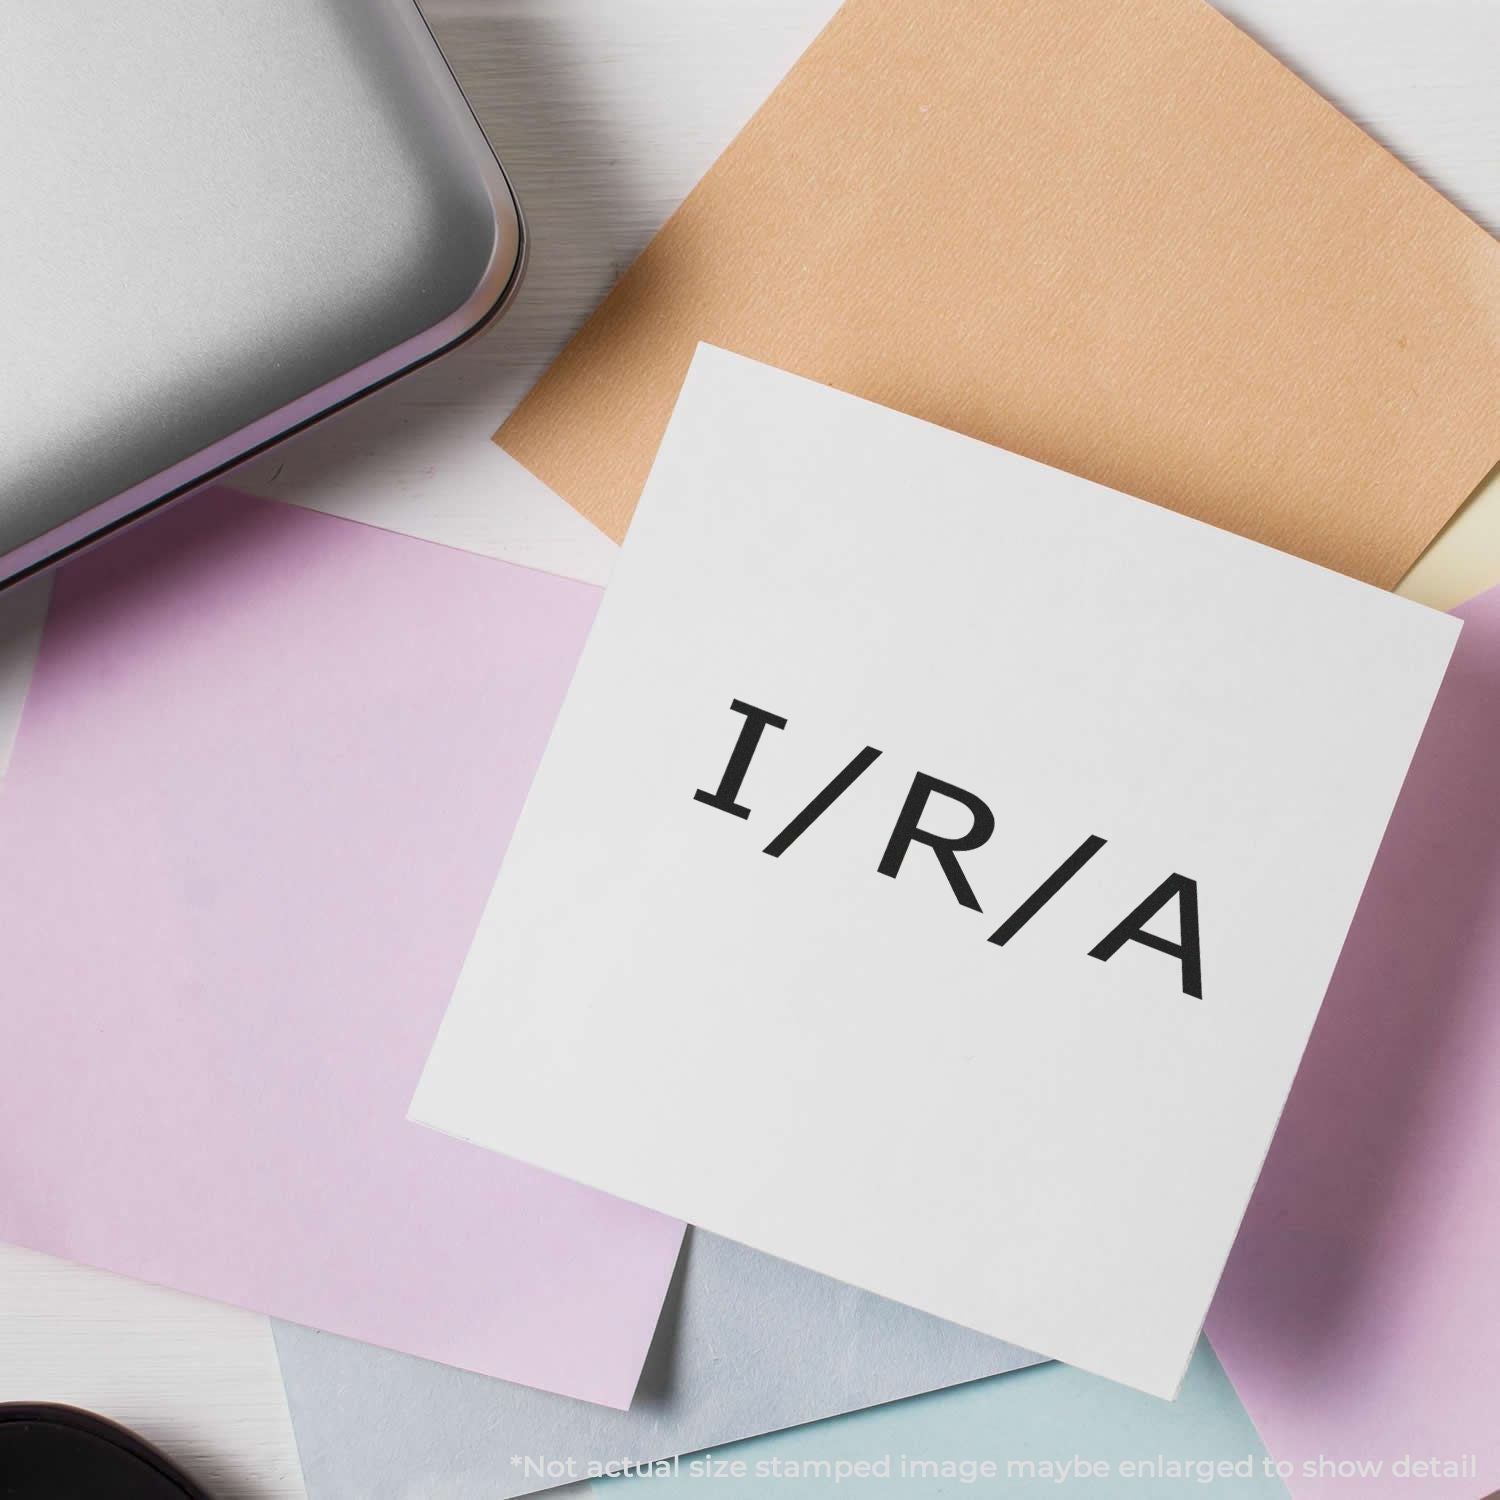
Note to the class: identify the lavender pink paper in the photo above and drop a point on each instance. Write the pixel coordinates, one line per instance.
(1359, 1317)
(268, 765)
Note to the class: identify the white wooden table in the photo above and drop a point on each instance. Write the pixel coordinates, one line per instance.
(605, 113)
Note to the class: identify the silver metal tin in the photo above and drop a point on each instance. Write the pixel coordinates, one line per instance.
(219, 220)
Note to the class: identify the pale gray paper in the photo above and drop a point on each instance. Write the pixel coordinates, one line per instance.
(747, 1344)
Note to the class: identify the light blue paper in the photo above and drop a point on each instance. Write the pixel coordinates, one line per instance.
(747, 1344)
(1027, 1425)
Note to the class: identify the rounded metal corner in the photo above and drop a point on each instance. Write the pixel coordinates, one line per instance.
(490, 295)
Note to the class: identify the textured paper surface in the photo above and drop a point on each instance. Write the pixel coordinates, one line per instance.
(860, 1082)
(266, 768)
(1465, 559)
(1358, 1315)
(1026, 1427)
(746, 1344)
(1113, 235)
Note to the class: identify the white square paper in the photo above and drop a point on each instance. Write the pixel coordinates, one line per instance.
(819, 1051)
